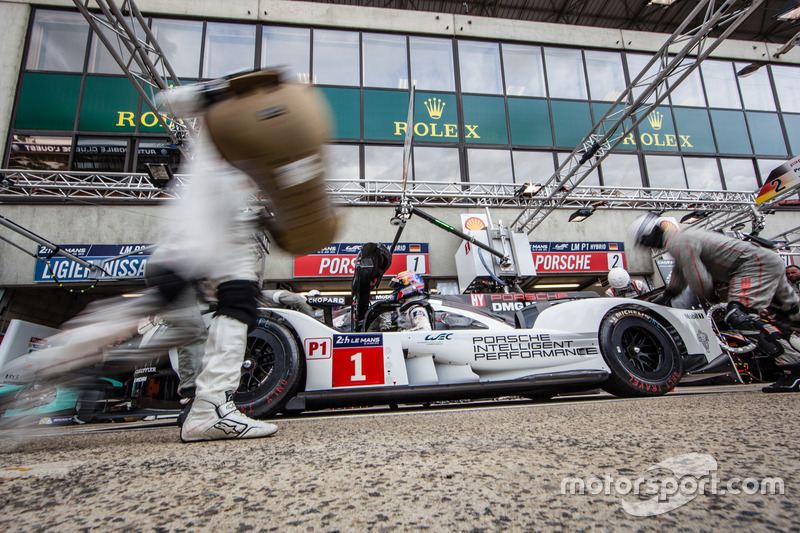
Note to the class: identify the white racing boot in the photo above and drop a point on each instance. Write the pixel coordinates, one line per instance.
(213, 414)
(218, 418)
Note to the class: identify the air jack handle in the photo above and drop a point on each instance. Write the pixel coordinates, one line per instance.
(504, 259)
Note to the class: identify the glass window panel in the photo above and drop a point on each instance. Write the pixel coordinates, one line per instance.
(432, 63)
(158, 151)
(58, 41)
(35, 152)
(48, 101)
(665, 172)
(571, 122)
(230, 48)
(342, 161)
(345, 107)
(694, 130)
(524, 70)
(756, 89)
(385, 61)
(181, 42)
(489, 166)
(721, 87)
(765, 133)
(591, 180)
(383, 163)
(289, 48)
(480, 67)
(657, 131)
(110, 104)
(336, 60)
(792, 123)
(739, 175)
(731, 132)
(565, 76)
(529, 121)
(485, 120)
(689, 92)
(100, 59)
(98, 154)
(702, 173)
(787, 80)
(436, 164)
(385, 115)
(533, 167)
(636, 64)
(621, 170)
(606, 77)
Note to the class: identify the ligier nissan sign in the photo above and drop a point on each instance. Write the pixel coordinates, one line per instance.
(117, 261)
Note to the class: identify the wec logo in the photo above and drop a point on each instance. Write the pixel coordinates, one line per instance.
(439, 337)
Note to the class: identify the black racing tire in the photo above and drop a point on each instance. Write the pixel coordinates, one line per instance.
(272, 370)
(642, 355)
(87, 405)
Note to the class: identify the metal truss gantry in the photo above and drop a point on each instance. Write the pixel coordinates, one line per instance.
(644, 94)
(126, 36)
(20, 186)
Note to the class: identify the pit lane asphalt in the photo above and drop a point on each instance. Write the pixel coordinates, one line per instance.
(497, 467)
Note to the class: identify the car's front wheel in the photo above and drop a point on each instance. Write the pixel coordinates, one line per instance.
(271, 372)
(642, 355)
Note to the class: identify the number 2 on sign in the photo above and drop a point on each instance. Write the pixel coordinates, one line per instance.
(358, 374)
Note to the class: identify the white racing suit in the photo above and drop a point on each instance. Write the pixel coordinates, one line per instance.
(411, 315)
(209, 235)
(631, 290)
(755, 278)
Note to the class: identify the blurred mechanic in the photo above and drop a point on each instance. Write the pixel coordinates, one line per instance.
(274, 132)
(621, 285)
(755, 278)
(414, 311)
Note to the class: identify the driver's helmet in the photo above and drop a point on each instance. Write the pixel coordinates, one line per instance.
(618, 278)
(407, 283)
(648, 230)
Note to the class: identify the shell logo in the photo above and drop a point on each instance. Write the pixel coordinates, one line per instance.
(474, 224)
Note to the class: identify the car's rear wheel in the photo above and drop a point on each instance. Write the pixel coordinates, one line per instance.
(642, 355)
(272, 370)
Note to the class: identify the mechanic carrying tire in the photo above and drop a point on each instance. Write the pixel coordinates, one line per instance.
(261, 133)
(755, 276)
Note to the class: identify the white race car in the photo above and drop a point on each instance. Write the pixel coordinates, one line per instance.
(534, 345)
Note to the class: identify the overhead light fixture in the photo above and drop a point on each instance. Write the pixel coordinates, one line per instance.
(749, 69)
(160, 174)
(789, 11)
(664, 3)
(557, 286)
(694, 216)
(529, 189)
(582, 214)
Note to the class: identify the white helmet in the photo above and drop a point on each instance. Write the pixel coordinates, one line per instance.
(618, 278)
(648, 230)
